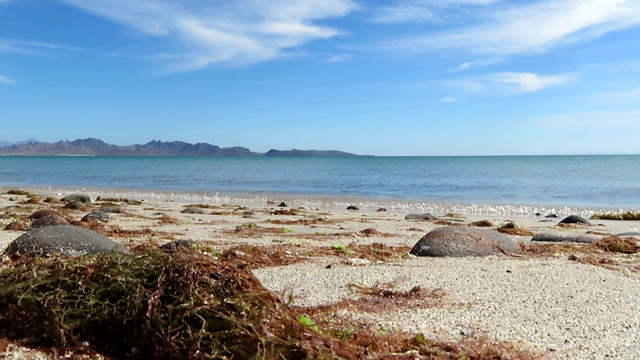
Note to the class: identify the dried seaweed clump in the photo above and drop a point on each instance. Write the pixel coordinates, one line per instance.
(629, 215)
(182, 305)
(617, 244)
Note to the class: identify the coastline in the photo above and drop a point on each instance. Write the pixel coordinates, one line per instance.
(547, 303)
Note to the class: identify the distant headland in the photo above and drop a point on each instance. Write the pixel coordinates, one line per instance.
(97, 147)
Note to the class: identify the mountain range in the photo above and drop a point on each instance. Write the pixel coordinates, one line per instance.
(97, 147)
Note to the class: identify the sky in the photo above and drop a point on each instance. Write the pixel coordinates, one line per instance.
(383, 77)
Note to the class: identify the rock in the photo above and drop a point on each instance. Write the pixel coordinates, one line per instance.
(74, 206)
(513, 229)
(42, 213)
(248, 213)
(112, 209)
(176, 244)
(421, 217)
(63, 239)
(634, 234)
(76, 198)
(568, 238)
(282, 204)
(458, 241)
(574, 219)
(554, 216)
(50, 220)
(381, 209)
(193, 210)
(352, 207)
(96, 215)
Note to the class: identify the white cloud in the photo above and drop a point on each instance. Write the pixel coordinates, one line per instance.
(203, 32)
(6, 81)
(404, 11)
(527, 27)
(478, 63)
(509, 83)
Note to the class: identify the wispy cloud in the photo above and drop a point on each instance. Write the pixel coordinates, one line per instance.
(526, 27)
(201, 32)
(6, 80)
(435, 11)
(467, 65)
(509, 83)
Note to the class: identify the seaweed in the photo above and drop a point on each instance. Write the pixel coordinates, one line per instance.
(629, 215)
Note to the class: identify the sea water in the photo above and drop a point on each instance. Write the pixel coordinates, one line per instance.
(484, 182)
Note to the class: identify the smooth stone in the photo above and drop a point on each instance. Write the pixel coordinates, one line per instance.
(635, 234)
(62, 239)
(565, 238)
(112, 209)
(574, 219)
(74, 205)
(421, 217)
(554, 216)
(459, 241)
(282, 204)
(248, 213)
(193, 210)
(76, 198)
(96, 215)
(352, 207)
(50, 220)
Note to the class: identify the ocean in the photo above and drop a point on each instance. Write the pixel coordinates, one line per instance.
(415, 183)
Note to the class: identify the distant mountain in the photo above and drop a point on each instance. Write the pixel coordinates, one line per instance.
(7, 143)
(97, 147)
(300, 153)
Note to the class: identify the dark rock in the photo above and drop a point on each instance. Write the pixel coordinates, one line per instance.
(51, 220)
(193, 210)
(282, 204)
(96, 215)
(421, 217)
(458, 241)
(63, 239)
(352, 207)
(74, 206)
(381, 209)
(176, 244)
(565, 238)
(635, 234)
(574, 219)
(76, 198)
(112, 209)
(554, 216)
(42, 213)
(248, 213)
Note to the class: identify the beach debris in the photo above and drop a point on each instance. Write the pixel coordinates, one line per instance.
(457, 241)
(513, 229)
(421, 217)
(96, 215)
(552, 216)
(574, 219)
(124, 200)
(454, 216)
(75, 205)
(16, 226)
(381, 209)
(50, 220)
(42, 213)
(248, 213)
(193, 210)
(565, 238)
(629, 215)
(482, 223)
(352, 208)
(176, 244)
(76, 198)
(282, 204)
(62, 239)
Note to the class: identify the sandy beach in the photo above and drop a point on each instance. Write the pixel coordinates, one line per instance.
(558, 301)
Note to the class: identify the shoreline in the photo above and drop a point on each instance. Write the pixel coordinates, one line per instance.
(331, 202)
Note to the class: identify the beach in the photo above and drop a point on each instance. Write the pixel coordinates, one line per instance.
(559, 302)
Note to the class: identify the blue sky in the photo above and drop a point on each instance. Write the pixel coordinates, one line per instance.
(402, 77)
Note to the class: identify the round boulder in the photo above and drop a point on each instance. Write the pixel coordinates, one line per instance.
(76, 198)
(63, 239)
(565, 238)
(76, 205)
(459, 241)
(193, 210)
(574, 219)
(42, 213)
(96, 215)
